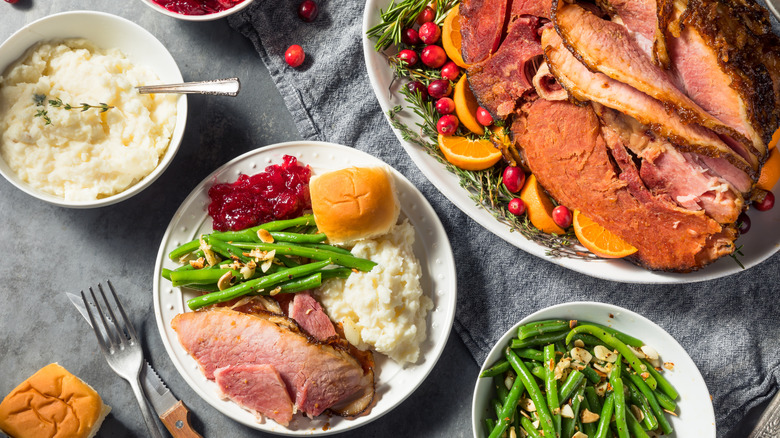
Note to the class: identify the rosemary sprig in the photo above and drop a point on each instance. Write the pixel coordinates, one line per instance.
(402, 15)
(40, 100)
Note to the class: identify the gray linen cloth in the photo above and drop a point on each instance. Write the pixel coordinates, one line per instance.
(728, 326)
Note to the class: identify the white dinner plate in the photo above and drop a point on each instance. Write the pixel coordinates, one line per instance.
(694, 406)
(760, 243)
(393, 383)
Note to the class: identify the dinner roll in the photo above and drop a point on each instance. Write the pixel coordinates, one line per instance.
(52, 403)
(354, 203)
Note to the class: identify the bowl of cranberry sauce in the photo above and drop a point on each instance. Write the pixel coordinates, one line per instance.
(197, 10)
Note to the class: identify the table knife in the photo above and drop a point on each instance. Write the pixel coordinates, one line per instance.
(172, 412)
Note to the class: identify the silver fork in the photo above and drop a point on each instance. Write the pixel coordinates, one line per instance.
(120, 346)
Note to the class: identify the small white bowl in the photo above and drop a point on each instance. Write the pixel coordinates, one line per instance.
(696, 415)
(105, 31)
(206, 17)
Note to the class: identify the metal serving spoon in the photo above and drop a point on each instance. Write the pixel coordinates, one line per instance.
(769, 424)
(217, 87)
(774, 6)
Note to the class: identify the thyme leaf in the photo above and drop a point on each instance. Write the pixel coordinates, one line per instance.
(40, 100)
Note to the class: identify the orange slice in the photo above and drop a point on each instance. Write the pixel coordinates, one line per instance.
(539, 207)
(469, 154)
(450, 37)
(775, 138)
(466, 106)
(770, 173)
(598, 239)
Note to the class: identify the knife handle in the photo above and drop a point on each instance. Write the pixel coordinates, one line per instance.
(177, 421)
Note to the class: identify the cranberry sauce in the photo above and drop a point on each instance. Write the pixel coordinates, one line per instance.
(280, 192)
(197, 7)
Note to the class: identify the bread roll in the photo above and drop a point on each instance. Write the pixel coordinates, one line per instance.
(354, 203)
(52, 403)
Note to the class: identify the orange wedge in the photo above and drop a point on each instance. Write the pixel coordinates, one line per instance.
(469, 154)
(450, 37)
(599, 240)
(770, 173)
(775, 138)
(466, 106)
(539, 207)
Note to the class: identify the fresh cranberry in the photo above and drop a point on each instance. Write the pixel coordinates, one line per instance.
(450, 71)
(433, 56)
(445, 105)
(429, 33)
(765, 204)
(308, 11)
(483, 117)
(514, 178)
(439, 88)
(294, 55)
(561, 215)
(743, 223)
(409, 57)
(516, 206)
(410, 37)
(427, 15)
(447, 124)
(417, 87)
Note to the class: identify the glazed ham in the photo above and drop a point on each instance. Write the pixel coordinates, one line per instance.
(308, 313)
(483, 30)
(316, 375)
(258, 388)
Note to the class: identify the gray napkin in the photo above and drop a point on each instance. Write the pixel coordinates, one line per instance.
(728, 326)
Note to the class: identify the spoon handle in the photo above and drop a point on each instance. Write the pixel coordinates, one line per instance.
(218, 87)
(769, 424)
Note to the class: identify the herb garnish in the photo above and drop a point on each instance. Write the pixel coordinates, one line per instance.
(399, 16)
(40, 100)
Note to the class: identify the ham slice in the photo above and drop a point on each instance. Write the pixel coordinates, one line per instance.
(481, 27)
(598, 87)
(316, 375)
(258, 388)
(646, 22)
(308, 313)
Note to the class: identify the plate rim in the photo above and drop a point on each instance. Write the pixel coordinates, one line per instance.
(616, 270)
(448, 310)
(576, 307)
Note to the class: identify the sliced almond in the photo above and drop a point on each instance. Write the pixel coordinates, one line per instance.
(579, 343)
(199, 263)
(561, 367)
(527, 404)
(581, 355)
(605, 354)
(225, 281)
(588, 417)
(579, 435)
(669, 365)
(566, 411)
(649, 352)
(638, 414)
(265, 236)
(248, 270)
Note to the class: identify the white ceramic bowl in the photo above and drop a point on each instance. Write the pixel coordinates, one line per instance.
(207, 17)
(696, 415)
(105, 31)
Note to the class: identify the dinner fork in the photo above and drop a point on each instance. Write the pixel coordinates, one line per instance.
(119, 343)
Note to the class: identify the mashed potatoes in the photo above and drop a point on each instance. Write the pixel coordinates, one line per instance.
(384, 309)
(82, 155)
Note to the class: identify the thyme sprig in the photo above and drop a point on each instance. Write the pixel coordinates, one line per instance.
(40, 100)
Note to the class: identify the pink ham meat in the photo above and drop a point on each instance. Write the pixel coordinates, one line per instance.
(586, 85)
(607, 47)
(646, 21)
(316, 375)
(308, 313)
(258, 388)
(501, 80)
(537, 8)
(481, 27)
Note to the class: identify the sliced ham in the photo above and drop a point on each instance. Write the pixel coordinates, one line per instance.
(316, 375)
(645, 20)
(564, 148)
(537, 8)
(481, 28)
(257, 388)
(589, 86)
(308, 313)
(501, 80)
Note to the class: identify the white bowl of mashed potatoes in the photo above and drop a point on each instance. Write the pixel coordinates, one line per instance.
(55, 148)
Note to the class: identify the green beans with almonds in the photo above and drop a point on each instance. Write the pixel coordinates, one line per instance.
(659, 413)
(509, 408)
(348, 261)
(551, 386)
(620, 399)
(541, 327)
(545, 418)
(605, 416)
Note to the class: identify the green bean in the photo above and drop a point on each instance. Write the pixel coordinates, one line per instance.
(227, 250)
(634, 427)
(648, 392)
(336, 273)
(537, 370)
(166, 273)
(283, 236)
(305, 220)
(663, 384)
(639, 399)
(183, 250)
(619, 397)
(234, 236)
(626, 339)
(665, 401)
(567, 424)
(255, 285)
(541, 327)
(200, 276)
(589, 428)
(530, 353)
(499, 368)
(571, 384)
(496, 403)
(591, 374)
(288, 261)
(587, 339)
(326, 247)
(508, 410)
(300, 284)
(313, 253)
(606, 416)
(540, 340)
(615, 343)
(593, 399)
(545, 419)
(489, 425)
(551, 386)
(529, 427)
(501, 389)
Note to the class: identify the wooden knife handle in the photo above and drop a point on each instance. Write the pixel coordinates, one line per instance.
(177, 420)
